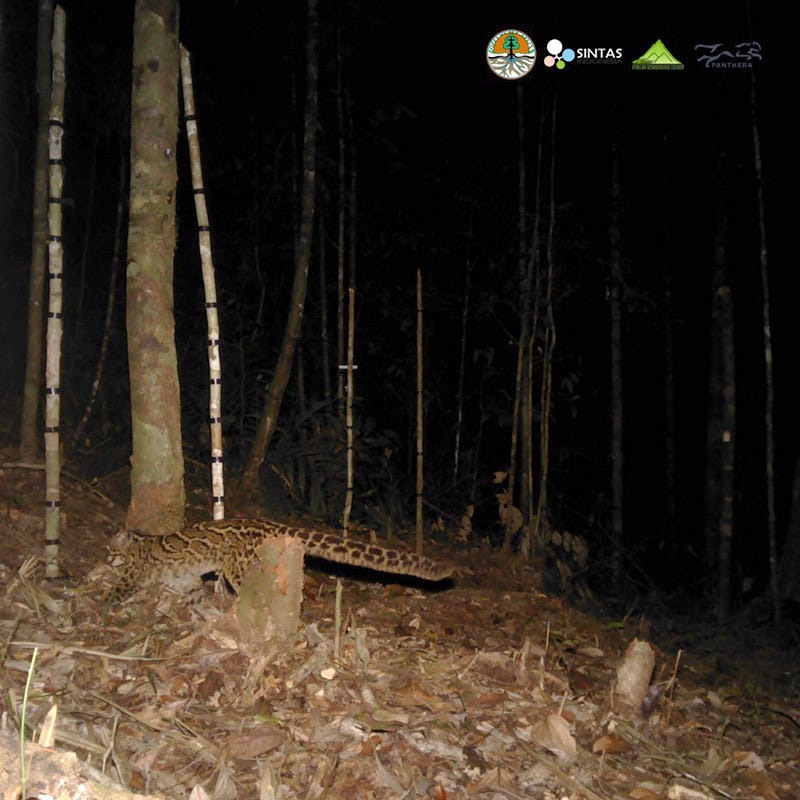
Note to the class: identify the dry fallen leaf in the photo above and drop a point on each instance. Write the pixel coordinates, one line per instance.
(610, 744)
(553, 734)
(253, 743)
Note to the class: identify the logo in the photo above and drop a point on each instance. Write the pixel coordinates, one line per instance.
(511, 54)
(599, 55)
(721, 56)
(558, 57)
(657, 57)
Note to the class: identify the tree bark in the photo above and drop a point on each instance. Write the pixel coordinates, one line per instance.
(157, 489)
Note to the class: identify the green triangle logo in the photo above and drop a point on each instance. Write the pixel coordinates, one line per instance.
(657, 57)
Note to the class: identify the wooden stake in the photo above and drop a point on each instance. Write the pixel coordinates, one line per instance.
(420, 413)
(210, 287)
(52, 439)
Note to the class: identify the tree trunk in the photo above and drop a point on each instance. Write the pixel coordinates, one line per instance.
(157, 490)
(670, 473)
(28, 446)
(615, 306)
(541, 522)
(340, 229)
(522, 417)
(283, 369)
(461, 367)
(714, 429)
(722, 330)
(111, 297)
(769, 384)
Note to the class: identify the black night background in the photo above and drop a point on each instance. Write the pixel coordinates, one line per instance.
(436, 142)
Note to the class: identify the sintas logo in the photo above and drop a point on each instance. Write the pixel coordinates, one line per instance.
(599, 55)
(559, 56)
(657, 57)
(511, 54)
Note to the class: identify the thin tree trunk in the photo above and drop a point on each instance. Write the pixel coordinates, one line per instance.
(340, 227)
(462, 370)
(301, 477)
(29, 443)
(352, 201)
(323, 309)
(725, 381)
(541, 520)
(283, 369)
(110, 300)
(670, 510)
(521, 413)
(157, 488)
(526, 496)
(714, 429)
(615, 298)
(523, 399)
(769, 422)
(77, 333)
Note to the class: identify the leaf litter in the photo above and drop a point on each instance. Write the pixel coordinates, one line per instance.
(489, 689)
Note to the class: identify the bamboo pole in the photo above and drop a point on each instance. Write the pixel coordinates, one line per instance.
(351, 332)
(210, 288)
(348, 495)
(55, 249)
(420, 413)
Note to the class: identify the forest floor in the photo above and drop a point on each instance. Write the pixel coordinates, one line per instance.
(484, 688)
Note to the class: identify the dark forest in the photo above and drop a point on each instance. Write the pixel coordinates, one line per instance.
(434, 143)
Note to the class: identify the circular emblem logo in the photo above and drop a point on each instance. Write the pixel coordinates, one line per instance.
(511, 54)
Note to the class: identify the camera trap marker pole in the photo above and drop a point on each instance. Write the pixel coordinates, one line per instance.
(209, 285)
(420, 410)
(348, 496)
(55, 252)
